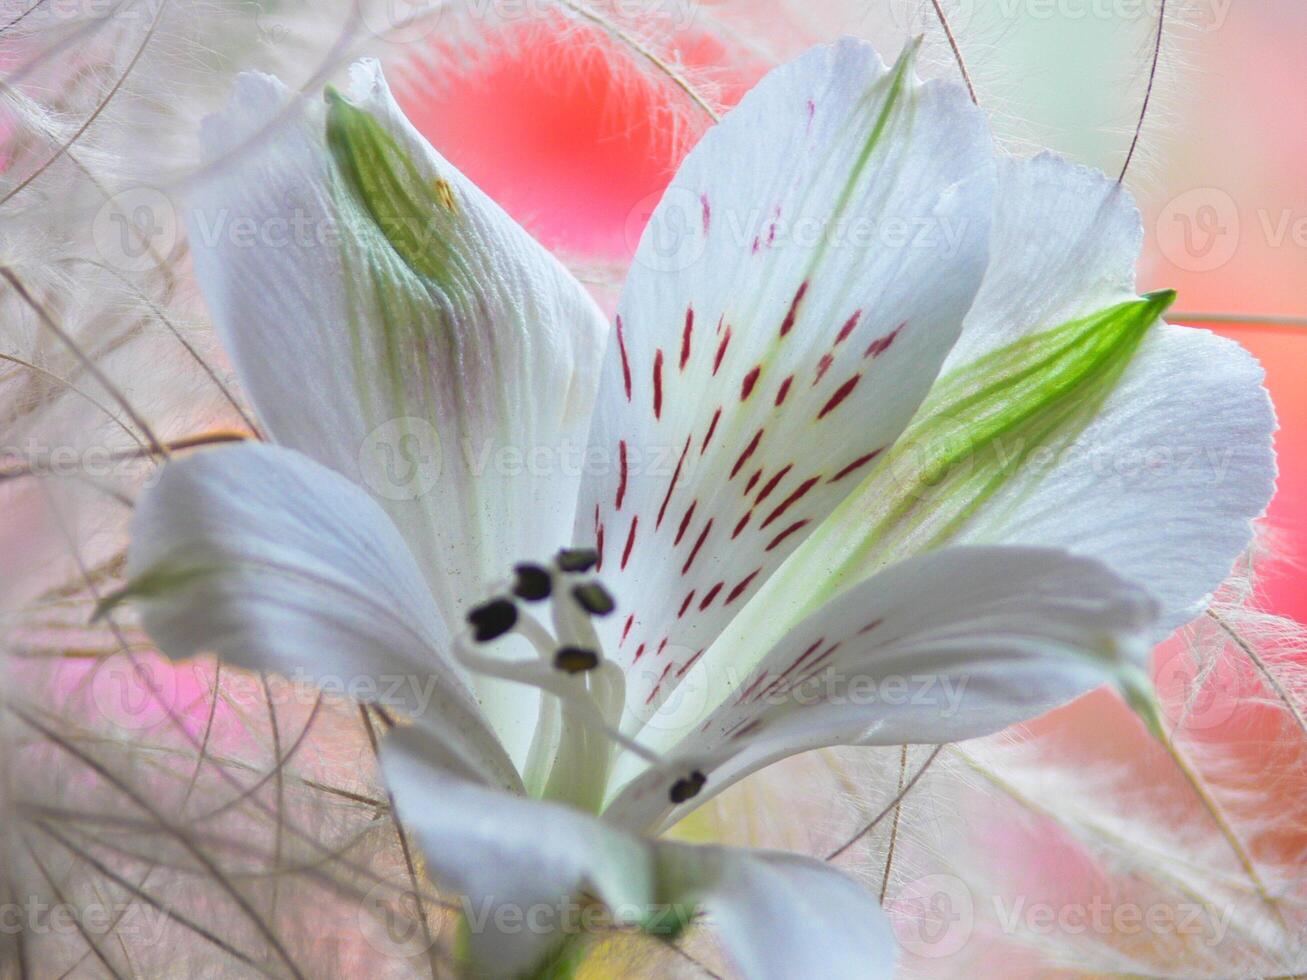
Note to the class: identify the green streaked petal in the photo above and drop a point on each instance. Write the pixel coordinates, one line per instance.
(405, 333)
(1163, 482)
(1067, 417)
(978, 430)
(981, 424)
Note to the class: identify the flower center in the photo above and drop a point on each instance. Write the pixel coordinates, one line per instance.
(584, 693)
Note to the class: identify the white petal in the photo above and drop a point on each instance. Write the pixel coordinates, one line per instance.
(508, 855)
(274, 562)
(943, 647)
(1156, 466)
(783, 915)
(1164, 484)
(794, 296)
(778, 915)
(1064, 243)
(390, 321)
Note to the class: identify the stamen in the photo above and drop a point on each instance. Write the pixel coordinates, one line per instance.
(566, 760)
(492, 619)
(577, 559)
(687, 788)
(533, 582)
(535, 633)
(535, 674)
(575, 660)
(594, 598)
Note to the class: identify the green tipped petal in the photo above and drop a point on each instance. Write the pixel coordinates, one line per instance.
(982, 424)
(403, 331)
(1069, 417)
(414, 215)
(985, 421)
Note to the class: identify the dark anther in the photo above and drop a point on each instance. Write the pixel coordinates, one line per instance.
(577, 559)
(492, 619)
(574, 660)
(594, 599)
(688, 787)
(533, 583)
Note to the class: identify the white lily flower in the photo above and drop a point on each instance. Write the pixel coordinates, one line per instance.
(847, 332)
